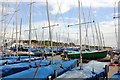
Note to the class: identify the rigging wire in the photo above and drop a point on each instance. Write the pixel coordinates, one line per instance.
(62, 15)
(90, 18)
(100, 36)
(59, 11)
(66, 27)
(42, 10)
(12, 16)
(98, 40)
(86, 26)
(56, 17)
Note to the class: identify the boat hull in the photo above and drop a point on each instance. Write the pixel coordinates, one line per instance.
(89, 56)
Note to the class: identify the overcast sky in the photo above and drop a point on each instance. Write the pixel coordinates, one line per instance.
(64, 12)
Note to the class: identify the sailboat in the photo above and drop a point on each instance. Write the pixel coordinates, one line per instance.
(90, 71)
(34, 67)
(86, 53)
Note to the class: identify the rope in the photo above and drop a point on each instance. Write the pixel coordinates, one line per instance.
(56, 17)
(38, 66)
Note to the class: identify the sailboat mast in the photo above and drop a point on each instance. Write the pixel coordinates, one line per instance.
(97, 35)
(12, 34)
(30, 20)
(118, 33)
(36, 36)
(80, 34)
(115, 24)
(77, 38)
(4, 31)
(103, 40)
(86, 28)
(17, 28)
(92, 27)
(57, 40)
(5, 25)
(68, 38)
(20, 31)
(100, 36)
(50, 34)
(43, 38)
(63, 38)
(2, 22)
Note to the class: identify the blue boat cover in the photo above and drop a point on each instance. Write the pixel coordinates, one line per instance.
(116, 76)
(90, 71)
(14, 61)
(14, 68)
(44, 72)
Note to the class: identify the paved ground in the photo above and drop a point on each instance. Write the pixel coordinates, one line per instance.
(112, 71)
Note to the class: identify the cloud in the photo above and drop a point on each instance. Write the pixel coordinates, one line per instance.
(107, 27)
(66, 5)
